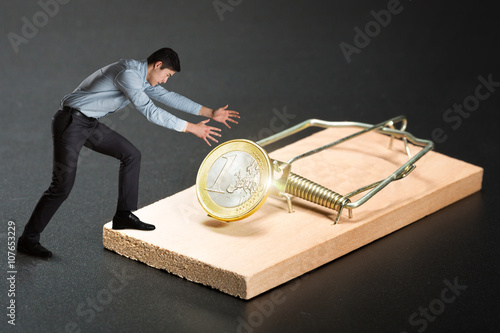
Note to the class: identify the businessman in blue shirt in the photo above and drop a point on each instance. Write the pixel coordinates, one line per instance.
(76, 124)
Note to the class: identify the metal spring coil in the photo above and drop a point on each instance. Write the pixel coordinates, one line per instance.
(308, 190)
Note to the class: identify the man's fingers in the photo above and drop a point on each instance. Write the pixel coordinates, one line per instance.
(222, 108)
(214, 133)
(213, 139)
(232, 113)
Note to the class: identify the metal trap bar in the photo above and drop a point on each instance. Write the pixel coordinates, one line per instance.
(288, 183)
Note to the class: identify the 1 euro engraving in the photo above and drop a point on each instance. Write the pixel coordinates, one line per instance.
(216, 186)
(235, 178)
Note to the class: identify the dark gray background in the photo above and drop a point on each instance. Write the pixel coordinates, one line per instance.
(263, 56)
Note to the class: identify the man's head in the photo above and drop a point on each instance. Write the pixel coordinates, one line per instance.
(162, 64)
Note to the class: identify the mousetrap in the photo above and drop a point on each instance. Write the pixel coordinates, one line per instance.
(271, 246)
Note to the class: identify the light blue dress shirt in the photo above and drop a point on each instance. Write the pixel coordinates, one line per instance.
(116, 85)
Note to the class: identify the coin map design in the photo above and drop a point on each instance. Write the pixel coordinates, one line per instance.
(234, 180)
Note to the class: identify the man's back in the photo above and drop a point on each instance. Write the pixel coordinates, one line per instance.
(99, 93)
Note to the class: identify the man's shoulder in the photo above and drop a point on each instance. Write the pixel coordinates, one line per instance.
(132, 65)
(130, 73)
(121, 66)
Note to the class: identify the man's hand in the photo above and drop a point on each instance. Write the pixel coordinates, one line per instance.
(203, 131)
(223, 116)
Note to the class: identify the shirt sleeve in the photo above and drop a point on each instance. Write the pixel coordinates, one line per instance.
(173, 100)
(130, 83)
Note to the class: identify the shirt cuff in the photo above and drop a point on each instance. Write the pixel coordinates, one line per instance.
(182, 126)
(199, 110)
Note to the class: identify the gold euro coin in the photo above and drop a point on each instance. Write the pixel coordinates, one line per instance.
(234, 180)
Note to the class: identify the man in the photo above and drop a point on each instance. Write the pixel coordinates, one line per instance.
(76, 124)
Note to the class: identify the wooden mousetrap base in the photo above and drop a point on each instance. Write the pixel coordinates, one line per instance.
(248, 257)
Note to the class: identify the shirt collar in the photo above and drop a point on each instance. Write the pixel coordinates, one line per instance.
(144, 70)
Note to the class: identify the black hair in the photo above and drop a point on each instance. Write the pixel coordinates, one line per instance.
(168, 58)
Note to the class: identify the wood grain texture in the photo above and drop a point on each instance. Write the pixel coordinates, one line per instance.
(248, 257)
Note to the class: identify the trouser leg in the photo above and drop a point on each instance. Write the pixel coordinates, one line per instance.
(69, 134)
(106, 141)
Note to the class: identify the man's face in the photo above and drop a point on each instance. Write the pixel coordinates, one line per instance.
(156, 75)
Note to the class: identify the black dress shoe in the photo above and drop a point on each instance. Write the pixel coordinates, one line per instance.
(130, 222)
(36, 250)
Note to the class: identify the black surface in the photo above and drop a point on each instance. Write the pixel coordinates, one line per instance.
(264, 56)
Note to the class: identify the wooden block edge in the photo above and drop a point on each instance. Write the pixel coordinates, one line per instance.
(249, 287)
(183, 266)
(263, 281)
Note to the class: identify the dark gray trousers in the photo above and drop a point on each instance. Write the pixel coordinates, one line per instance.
(70, 131)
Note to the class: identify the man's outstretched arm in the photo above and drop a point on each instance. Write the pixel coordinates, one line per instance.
(205, 132)
(222, 115)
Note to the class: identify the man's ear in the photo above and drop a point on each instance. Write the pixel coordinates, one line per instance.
(158, 64)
